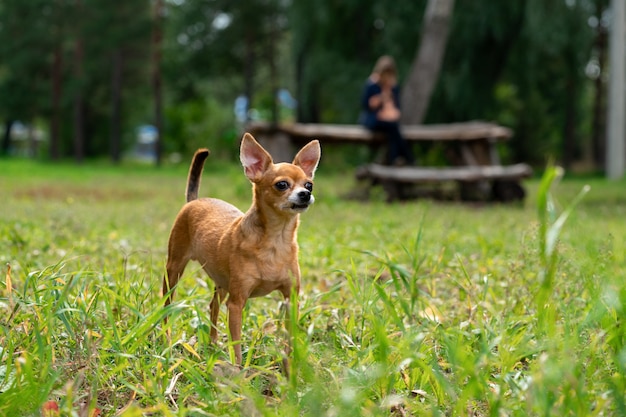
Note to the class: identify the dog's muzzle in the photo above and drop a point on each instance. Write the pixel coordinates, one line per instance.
(304, 196)
(301, 200)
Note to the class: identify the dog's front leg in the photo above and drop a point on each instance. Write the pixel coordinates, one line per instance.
(289, 323)
(235, 312)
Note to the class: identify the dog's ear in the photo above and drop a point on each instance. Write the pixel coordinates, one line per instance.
(309, 157)
(254, 158)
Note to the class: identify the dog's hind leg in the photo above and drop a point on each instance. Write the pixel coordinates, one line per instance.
(175, 268)
(178, 256)
(218, 296)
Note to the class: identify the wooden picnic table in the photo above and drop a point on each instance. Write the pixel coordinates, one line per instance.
(471, 150)
(356, 133)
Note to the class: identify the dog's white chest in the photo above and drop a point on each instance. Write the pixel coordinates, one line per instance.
(268, 272)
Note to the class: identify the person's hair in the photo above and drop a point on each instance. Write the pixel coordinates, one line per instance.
(385, 65)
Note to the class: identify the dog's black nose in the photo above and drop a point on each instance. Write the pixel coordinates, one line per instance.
(304, 196)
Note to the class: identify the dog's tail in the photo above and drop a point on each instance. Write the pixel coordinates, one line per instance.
(195, 172)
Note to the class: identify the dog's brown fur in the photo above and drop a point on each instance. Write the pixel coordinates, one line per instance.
(246, 255)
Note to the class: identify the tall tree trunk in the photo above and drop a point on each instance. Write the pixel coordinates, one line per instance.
(615, 146)
(55, 120)
(569, 133)
(598, 133)
(426, 66)
(308, 109)
(79, 105)
(271, 54)
(157, 40)
(32, 141)
(6, 138)
(301, 113)
(248, 72)
(116, 110)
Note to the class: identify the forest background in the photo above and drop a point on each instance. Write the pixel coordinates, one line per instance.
(85, 74)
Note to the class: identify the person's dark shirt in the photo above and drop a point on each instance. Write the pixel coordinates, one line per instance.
(368, 115)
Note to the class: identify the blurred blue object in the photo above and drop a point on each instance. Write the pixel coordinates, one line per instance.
(241, 108)
(286, 99)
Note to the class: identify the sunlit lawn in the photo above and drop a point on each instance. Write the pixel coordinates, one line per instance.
(419, 308)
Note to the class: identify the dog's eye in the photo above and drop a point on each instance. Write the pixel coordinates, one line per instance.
(309, 186)
(281, 185)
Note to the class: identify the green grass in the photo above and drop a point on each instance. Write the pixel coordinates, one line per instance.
(409, 309)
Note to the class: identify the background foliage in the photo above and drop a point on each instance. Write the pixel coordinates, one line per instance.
(536, 66)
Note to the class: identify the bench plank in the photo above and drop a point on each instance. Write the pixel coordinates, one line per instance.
(438, 174)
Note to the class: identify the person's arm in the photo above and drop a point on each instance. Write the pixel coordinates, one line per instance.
(375, 102)
(372, 100)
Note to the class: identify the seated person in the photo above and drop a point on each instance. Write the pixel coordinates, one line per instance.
(381, 110)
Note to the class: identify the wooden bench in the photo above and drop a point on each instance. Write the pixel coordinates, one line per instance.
(471, 151)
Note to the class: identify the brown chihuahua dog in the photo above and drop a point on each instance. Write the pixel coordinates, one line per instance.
(246, 255)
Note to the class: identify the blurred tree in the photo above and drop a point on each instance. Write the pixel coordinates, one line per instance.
(55, 58)
(424, 74)
(24, 44)
(124, 56)
(227, 49)
(115, 83)
(596, 70)
(57, 35)
(157, 88)
(547, 67)
(78, 75)
(522, 64)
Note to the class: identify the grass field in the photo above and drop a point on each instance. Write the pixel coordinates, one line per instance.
(410, 309)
